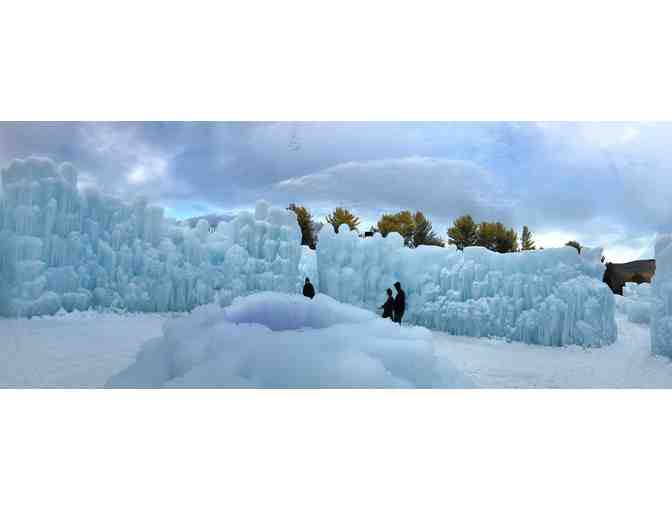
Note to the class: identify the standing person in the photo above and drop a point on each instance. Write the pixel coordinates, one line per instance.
(308, 289)
(399, 303)
(388, 306)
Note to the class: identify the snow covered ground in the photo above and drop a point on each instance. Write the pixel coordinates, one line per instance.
(627, 363)
(83, 350)
(78, 350)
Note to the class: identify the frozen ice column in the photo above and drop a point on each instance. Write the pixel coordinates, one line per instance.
(64, 248)
(661, 312)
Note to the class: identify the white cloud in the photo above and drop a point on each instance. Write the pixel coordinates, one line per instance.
(607, 183)
(442, 188)
(147, 169)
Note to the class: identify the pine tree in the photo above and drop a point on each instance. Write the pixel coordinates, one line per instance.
(341, 216)
(305, 221)
(496, 237)
(415, 228)
(574, 244)
(463, 233)
(423, 234)
(527, 243)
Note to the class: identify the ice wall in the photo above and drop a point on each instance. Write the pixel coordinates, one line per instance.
(661, 285)
(308, 268)
(549, 297)
(636, 302)
(63, 248)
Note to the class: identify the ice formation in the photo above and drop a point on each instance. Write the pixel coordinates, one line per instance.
(661, 312)
(275, 340)
(65, 248)
(308, 268)
(636, 302)
(549, 297)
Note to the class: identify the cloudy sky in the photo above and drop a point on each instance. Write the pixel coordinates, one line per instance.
(607, 184)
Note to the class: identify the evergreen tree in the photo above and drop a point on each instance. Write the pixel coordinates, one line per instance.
(527, 243)
(341, 216)
(496, 237)
(305, 221)
(463, 233)
(423, 234)
(415, 228)
(574, 244)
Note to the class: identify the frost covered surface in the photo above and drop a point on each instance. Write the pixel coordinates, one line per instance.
(661, 314)
(275, 340)
(627, 363)
(549, 297)
(61, 351)
(73, 350)
(636, 302)
(65, 248)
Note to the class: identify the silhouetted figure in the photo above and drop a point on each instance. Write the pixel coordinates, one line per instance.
(399, 303)
(308, 289)
(388, 306)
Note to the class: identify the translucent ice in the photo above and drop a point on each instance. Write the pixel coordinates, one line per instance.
(637, 301)
(661, 285)
(308, 268)
(550, 297)
(62, 248)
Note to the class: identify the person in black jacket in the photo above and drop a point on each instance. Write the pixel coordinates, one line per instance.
(399, 303)
(388, 306)
(308, 289)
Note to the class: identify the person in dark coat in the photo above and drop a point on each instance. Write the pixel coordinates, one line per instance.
(308, 289)
(399, 303)
(388, 306)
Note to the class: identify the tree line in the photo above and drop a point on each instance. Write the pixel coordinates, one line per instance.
(416, 230)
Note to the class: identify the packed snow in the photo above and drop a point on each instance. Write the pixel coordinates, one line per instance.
(275, 340)
(65, 248)
(661, 315)
(627, 363)
(74, 350)
(61, 351)
(550, 297)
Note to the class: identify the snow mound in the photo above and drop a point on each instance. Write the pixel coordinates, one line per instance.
(280, 312)
(276, 340)
(550, 297)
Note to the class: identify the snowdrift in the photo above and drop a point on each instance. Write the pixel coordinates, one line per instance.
(549, 297)
(275, 340)
(60, 247)
(661, 312)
